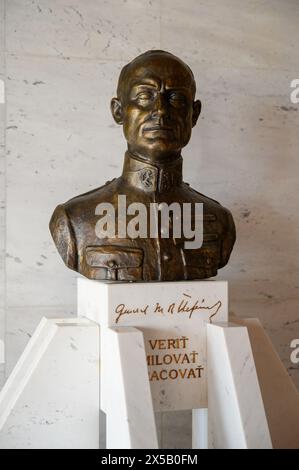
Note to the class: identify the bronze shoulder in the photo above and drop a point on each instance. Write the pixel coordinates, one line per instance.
(203, 196)
(90, 193)
(63, 236)
(229, 238)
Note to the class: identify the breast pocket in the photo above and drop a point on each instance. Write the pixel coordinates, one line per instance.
(204, 262)
(115, 263)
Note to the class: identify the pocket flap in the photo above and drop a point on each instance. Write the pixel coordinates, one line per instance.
(207, 256)
(207, 239)
(113, 257)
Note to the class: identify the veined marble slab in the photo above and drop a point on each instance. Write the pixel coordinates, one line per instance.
(128, 400)
(172, 318)
(51, 398)
(237, 418)
(280, 396)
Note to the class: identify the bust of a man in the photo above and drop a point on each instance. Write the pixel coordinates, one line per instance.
(156, 106)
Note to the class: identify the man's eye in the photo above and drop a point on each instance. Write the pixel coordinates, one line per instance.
(144, 96)
(177, 98)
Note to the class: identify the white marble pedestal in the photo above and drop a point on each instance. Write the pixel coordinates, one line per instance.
(172, 318)
(169, 346)
(52, 397)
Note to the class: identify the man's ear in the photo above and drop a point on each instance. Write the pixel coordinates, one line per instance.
(116, 110)
(196, 111)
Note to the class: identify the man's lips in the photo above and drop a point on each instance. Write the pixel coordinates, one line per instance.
(157, 128)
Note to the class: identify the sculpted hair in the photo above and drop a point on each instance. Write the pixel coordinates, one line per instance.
(124, 74)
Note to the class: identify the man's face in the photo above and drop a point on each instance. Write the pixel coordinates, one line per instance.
(158, 109)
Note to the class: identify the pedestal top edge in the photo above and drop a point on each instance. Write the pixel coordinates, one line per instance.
(113, 284)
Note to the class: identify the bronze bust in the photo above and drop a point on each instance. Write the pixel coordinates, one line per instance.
(156, 106)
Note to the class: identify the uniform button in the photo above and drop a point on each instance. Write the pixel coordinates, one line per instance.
(111, 264)
(166, 256)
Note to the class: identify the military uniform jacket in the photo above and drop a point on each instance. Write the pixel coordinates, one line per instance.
(141, 259)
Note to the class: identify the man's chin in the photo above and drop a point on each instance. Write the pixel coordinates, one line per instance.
(158, 153)
(160, 144)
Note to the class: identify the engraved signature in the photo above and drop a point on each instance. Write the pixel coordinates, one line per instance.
(122, 309)
(185, 305)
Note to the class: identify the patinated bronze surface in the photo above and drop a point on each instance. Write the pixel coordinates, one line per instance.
(156, 106)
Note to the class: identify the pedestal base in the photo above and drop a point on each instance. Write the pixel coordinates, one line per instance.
(51, 399)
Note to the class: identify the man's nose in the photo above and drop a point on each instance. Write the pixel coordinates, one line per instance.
(160, 106)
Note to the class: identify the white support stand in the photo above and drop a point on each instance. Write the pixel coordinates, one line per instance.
(164, 347)
(51, 398)
(154, 361)
(129, 411)
(200, 429)
(237, 418)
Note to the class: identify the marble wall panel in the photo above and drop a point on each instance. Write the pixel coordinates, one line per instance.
(2, 192)
(96, 29)
(231, 33)
(63, 60)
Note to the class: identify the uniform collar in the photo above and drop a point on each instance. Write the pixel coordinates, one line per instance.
(152, 178)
